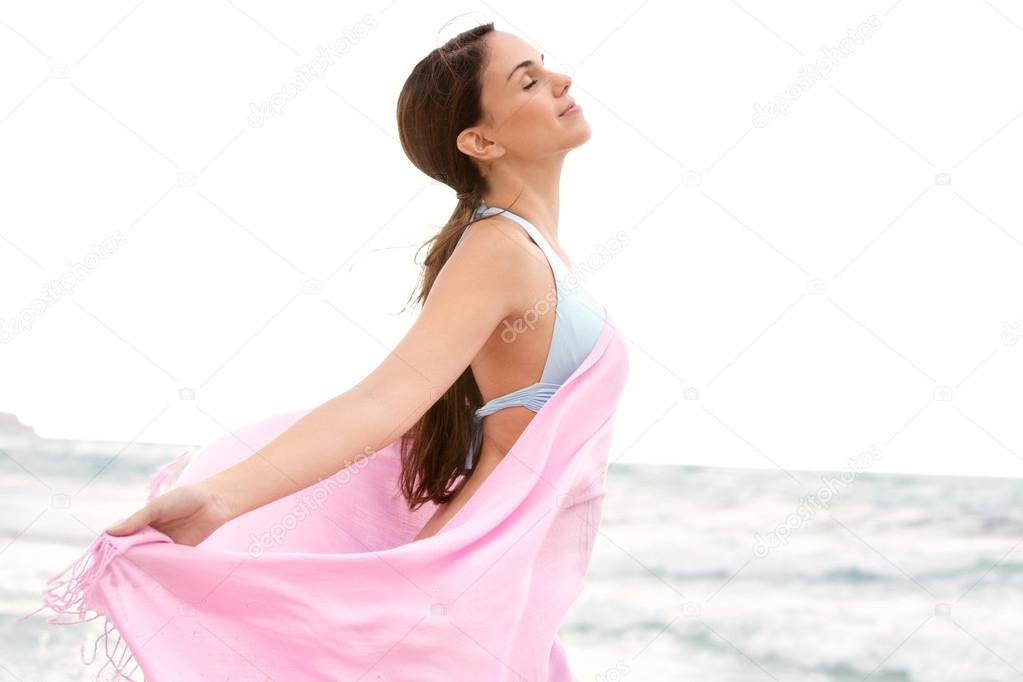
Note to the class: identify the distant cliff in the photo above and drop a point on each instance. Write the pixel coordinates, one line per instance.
(11, 425)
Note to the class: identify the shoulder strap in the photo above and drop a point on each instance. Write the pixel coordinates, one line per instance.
(475, 214)
(533, 233)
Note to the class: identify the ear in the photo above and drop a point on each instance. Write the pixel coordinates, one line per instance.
(476, 145)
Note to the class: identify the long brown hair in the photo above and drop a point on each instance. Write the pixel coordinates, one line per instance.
(441, 98)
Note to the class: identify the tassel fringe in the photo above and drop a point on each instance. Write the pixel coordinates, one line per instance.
(168, 472)
(65, 594)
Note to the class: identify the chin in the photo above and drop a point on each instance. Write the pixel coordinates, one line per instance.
(580, 137)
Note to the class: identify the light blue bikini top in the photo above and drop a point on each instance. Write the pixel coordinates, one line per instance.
(578, 321)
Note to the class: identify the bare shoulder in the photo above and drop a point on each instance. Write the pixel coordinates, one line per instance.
(498, 261)
(499, 242)
(497, 235)
(498, 252)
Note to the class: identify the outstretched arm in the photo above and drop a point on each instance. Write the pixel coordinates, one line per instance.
(474, 291)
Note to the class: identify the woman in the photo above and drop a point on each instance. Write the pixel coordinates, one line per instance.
(506, 124)
(365, 587)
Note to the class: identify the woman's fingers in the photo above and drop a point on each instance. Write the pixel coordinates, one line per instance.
(187, 515)
(133, 522)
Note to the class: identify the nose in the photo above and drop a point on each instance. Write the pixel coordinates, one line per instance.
(566, 82)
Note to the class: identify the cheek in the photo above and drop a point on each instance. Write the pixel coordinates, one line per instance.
(531, 126)
(533, 118)
(541, 110)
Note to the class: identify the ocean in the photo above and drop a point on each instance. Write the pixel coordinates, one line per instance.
(698, 573)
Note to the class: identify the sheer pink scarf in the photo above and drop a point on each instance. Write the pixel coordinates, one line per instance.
(326, 585)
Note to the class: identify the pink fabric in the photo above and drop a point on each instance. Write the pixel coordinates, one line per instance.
(326, 585)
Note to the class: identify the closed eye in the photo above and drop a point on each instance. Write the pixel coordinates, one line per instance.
(534, 82)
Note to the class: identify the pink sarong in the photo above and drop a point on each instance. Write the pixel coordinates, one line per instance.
(326, 585)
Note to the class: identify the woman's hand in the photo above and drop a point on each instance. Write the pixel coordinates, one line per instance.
(188, 515)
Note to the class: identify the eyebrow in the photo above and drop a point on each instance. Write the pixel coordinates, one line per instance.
(528, 62)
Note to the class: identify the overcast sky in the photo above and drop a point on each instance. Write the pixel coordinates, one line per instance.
(822, 239)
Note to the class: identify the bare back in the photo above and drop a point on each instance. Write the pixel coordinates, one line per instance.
(512, 357)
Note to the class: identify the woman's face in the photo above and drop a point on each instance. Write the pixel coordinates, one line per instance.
(523, 103)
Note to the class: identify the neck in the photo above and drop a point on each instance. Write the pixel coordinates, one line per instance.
(531, 190)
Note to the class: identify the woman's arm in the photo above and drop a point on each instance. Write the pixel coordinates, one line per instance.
(474, 291)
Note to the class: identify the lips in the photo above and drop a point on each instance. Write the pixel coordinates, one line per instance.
(570, 105)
